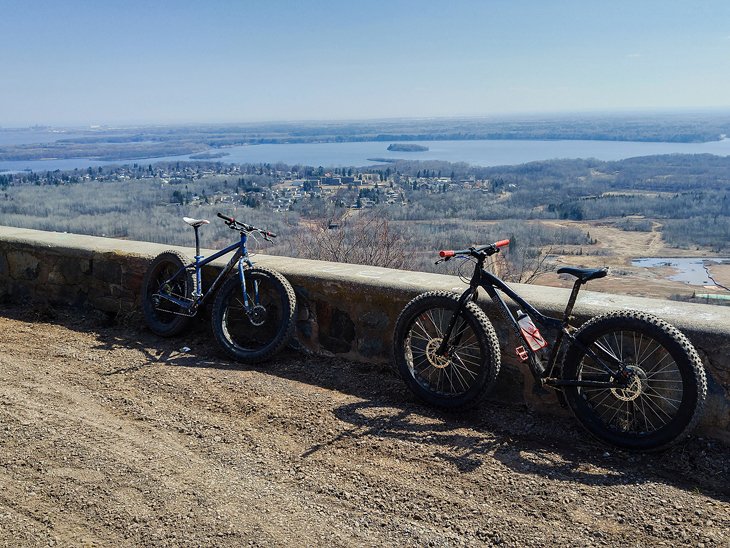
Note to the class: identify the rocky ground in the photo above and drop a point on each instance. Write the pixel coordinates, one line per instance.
(110, 436)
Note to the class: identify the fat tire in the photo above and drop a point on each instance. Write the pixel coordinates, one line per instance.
(657, 340)
(438, 306)
(277, 329)
(166, 324)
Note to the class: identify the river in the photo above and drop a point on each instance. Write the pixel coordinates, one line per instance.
(478, 152)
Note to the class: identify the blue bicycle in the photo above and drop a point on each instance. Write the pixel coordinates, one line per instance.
(253, 312)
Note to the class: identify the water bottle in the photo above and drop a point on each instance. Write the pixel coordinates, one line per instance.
(530, 332)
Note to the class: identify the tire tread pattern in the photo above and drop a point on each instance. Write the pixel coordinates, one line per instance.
(283, 334)
(178, 323)
(683, 346)
(483, 329)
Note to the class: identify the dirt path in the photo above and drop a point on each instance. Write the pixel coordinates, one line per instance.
(112, 437)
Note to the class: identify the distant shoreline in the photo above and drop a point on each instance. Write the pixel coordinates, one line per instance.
(406, 135)
(208, 155)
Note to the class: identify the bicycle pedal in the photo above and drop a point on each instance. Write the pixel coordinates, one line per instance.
(522, 353)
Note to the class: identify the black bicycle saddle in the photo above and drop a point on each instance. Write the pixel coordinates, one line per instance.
(584, 274)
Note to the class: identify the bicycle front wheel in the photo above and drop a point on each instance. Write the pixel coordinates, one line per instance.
(459, 377)
(167, 277)
(666, 392)
(253, 330)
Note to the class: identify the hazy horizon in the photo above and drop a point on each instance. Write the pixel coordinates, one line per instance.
(75, 64)
(502, 117)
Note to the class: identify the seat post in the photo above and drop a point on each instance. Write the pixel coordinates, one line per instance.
(197, 244)
(571, 300)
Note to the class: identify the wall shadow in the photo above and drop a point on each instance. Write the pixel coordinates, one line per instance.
(526, 443)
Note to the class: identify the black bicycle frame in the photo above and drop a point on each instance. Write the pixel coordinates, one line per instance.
(491, 284)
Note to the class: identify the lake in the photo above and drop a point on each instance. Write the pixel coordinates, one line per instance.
(479, 152)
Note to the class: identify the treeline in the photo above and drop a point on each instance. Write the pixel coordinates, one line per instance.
(129, 143)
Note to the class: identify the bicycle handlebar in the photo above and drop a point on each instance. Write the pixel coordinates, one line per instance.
(238, 225)
(476, 251)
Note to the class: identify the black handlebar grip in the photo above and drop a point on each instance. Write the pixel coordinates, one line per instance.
(225, 218)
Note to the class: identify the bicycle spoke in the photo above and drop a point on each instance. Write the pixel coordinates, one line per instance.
(638, 408)
(454, 372)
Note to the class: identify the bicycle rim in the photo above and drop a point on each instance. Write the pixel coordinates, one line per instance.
(455, 372)
(256, 326)
(652, 399)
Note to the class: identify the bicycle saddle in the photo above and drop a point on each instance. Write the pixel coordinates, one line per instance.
(196, 222)
(584, 274)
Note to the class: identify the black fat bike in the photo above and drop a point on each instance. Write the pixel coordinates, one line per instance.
(631, 379)
(253, 311)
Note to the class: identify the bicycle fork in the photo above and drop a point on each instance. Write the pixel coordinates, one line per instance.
(242, 262)
(447, 342)
(251, 302)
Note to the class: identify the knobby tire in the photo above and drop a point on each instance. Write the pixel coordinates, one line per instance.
(161, 315)
(666, 396)
(460, 379)
(253, 339)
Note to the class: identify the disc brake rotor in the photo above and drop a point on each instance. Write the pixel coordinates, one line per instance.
(439, 362)
(636, 385)
(257, 315)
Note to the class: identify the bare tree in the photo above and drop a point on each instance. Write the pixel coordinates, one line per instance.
(523, 264)
(359, 238)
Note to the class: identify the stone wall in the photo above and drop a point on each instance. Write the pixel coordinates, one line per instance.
(344, 310)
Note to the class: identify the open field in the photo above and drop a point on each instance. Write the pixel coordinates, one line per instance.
(617, 248)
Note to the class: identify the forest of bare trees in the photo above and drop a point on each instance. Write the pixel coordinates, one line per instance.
(687, 195)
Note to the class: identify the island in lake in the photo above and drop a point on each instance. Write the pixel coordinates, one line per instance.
(401, 147)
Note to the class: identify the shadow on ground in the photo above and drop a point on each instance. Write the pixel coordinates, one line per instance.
(527, 443)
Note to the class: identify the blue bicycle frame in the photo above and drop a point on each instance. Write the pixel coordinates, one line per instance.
(190, 306)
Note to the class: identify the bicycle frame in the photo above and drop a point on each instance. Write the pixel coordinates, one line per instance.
(240, 257)
(492, 284)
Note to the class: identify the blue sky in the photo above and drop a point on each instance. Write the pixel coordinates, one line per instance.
(128, 62)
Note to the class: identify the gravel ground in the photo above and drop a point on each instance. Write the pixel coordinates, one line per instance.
(111, 436)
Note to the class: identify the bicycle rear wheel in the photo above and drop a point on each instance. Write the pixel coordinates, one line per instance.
(256, 334)
(664, 399)
(162, 316)
(460, 377)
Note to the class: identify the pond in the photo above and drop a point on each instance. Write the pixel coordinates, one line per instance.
(690, 270)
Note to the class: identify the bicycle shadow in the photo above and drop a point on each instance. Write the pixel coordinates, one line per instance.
(545, 447)
(528, 444)
(542, 446)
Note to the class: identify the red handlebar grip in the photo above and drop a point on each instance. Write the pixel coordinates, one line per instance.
(446, 253)
(501, 243)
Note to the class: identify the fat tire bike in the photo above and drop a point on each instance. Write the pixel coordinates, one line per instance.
(253, 311)
(631, 379)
